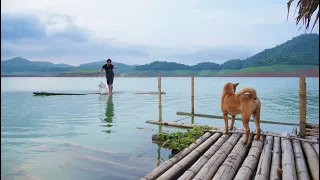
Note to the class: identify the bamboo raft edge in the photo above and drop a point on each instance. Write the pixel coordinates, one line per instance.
(199, 162)
(215, 129)
(274, 135)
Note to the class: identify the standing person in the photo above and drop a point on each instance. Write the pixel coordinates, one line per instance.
(109, 74)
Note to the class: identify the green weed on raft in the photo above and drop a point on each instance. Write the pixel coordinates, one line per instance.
(181, 140)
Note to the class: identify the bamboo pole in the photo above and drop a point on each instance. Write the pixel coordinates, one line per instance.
(265, 160)
(312, 130)
(155, 173)
(312, 158)
(272, 134)
(211, 167)
(316, 134)
(87, 169)
(238, 119)
(149, 129)
(276, 160)
(195, 168)
(192, 94)
(316, 148)
(159, 98)
(162, 92)
(231, 165)
(251, 162)
(302, 105)
(175, 124)
(88, 148)
(288, 164)
(310, 125)
(302, 169)
(101, 161)
(178, 168)
(314, 139)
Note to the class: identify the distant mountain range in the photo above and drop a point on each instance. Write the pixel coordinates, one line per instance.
(21, 66)
(300, 55)
(123, 68)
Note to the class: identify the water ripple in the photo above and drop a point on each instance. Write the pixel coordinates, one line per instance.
(63, 137)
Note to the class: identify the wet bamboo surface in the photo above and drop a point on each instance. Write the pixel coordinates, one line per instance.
(219, 156)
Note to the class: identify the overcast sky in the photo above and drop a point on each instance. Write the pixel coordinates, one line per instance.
(142, 31)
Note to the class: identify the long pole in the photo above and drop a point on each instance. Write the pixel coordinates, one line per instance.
(302, 105)
(159, 98)
(237, 119)
(192, 94)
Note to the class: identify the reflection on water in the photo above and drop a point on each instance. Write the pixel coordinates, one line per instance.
(159, 148)
(159, 155)
(109, 112)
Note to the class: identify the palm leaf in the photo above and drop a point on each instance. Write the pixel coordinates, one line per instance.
(306, 8)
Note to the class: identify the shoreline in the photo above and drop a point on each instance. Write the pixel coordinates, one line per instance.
(17, 76)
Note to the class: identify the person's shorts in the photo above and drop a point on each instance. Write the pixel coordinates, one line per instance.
(110, 80)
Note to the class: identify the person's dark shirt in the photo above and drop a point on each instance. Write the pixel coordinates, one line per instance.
(108, 69)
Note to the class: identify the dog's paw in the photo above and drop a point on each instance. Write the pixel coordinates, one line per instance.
(231, 128)
(257, 138)
(225, 131)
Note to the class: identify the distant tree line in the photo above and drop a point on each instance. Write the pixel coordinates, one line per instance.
(301, 50)
(164, 65)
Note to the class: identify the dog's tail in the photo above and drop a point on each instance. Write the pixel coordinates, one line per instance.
(249, 90)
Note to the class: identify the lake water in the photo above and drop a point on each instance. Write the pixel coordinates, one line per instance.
(100, 137)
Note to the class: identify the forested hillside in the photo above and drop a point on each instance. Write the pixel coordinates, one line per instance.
(301, 50)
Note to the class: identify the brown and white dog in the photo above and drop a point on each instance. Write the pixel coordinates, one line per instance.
(240, 103)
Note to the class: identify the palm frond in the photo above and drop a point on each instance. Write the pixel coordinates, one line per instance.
(306, 8)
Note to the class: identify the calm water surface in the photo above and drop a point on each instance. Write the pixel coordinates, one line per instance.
(106, 137)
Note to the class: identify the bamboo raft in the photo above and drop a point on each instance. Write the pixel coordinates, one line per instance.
(219, 156)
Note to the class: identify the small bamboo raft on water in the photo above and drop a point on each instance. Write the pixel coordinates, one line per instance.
(75, 94)
(218, 156)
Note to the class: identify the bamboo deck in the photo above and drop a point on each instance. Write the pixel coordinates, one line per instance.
(221, 156)
(218, 156)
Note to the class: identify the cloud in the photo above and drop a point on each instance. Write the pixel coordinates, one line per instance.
(185, 31)
(21, 27)
(27, 36)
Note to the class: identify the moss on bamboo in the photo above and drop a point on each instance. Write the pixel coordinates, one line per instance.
(181, 140)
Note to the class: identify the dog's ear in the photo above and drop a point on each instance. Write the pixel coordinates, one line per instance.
(235, 85)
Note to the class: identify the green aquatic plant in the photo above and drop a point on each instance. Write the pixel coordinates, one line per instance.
(181, 140)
